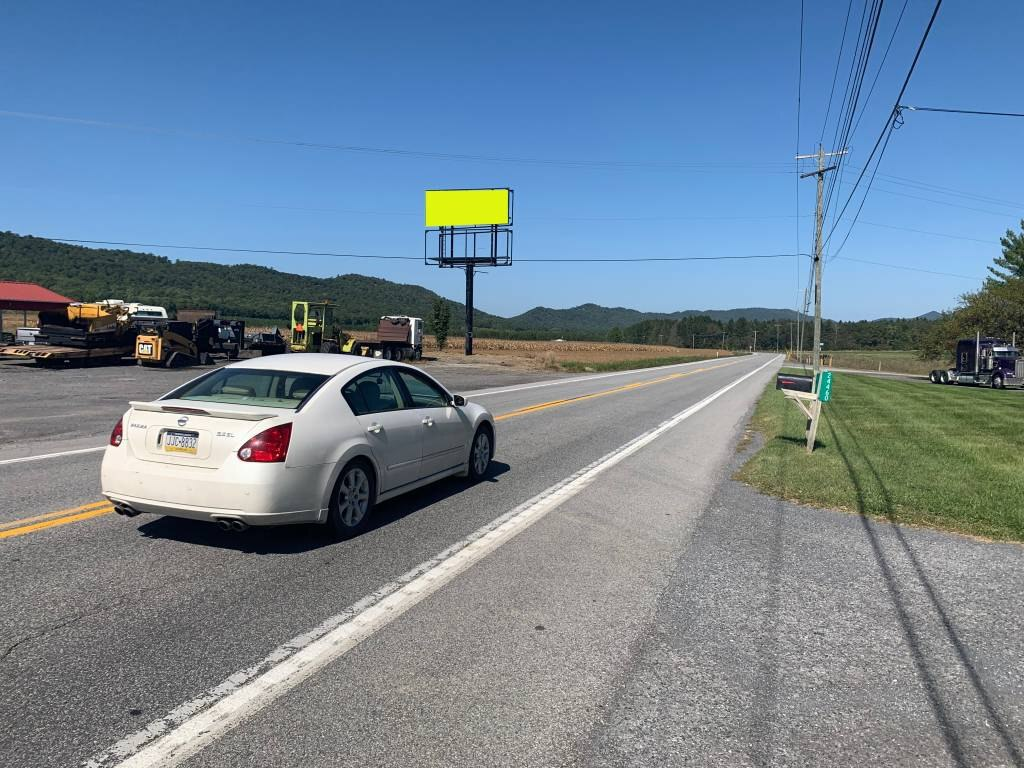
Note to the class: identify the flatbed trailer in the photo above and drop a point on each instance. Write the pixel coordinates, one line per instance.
(46, 354)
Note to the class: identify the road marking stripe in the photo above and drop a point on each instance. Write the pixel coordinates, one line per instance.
(481, 393)
(584, 379)
(198, 723)
(42, 456)
(50, 515)
(603, 393)
(97, 512)
(502, 417)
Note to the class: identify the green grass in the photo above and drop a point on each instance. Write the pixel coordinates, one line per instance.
(626, 365)
(942, 457)
(891, 361)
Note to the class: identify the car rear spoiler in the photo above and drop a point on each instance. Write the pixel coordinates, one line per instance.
(240, 415)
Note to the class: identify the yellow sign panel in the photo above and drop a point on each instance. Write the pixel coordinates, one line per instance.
(467, 207)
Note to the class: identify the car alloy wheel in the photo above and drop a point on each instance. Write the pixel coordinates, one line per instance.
(480, 456)
(353, 497)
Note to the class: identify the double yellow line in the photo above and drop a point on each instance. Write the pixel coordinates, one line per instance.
(100, 508)
(53, 519)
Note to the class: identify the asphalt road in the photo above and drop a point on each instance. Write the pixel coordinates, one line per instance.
(599, 600)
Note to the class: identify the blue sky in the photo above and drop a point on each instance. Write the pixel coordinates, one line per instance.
(692, 104)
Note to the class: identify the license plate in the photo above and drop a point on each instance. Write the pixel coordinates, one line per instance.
(146, 349)
(180, 442)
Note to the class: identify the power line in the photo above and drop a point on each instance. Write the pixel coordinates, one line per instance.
(989, 241)
(881, 64)
(839, 60)
(764, 166)
(889, 125)
(276, 252)
(961, 111)
(908, 269)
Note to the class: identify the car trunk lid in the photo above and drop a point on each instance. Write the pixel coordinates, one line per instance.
(187, 433)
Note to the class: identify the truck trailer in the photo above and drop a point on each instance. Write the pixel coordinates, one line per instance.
(984, 361)
(399, 337)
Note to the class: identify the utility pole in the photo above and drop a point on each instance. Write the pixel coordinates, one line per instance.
(755, 339)
(819, 220)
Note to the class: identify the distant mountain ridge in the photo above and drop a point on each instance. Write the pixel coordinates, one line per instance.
(595, 317)
(263, 294)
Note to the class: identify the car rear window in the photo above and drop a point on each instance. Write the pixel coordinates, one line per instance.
(241, 386)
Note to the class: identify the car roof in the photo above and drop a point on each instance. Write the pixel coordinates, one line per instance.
(307, 362)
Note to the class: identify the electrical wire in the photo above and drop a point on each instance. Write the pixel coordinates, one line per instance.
(908, 269)
(276, 252)
(961, 111)
(839, 60)
(889, 125)
(763, 166)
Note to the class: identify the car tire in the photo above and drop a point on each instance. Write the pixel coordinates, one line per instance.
(330, 347)
(352, 499)
(944, 377)
(481, 451)
(998, 382)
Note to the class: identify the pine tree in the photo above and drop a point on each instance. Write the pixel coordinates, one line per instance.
(1011, 264)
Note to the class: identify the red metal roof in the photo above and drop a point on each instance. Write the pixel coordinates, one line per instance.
(29, 296)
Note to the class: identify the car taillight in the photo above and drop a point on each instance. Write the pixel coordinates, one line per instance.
(118, 434)
(268, 446)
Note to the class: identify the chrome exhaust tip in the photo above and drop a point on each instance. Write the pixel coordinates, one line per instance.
(238, 526)
(224, 525)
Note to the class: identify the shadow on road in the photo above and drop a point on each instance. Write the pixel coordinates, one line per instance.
(292, 539)
(848, 447)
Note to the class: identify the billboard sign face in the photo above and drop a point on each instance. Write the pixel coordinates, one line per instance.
(468, 207)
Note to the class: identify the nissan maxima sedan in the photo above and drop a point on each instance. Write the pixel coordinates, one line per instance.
(291, 439)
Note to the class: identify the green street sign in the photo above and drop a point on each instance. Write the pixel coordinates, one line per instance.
(825, 386)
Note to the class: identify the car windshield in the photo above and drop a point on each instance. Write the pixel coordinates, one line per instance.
(245, 386)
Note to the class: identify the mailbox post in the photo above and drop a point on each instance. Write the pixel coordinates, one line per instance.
(808, 393)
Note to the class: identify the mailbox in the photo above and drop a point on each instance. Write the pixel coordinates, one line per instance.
(794, 383)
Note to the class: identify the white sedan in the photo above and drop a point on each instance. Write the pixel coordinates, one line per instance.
(291, 439)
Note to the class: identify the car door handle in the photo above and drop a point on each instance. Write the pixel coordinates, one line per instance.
(428, 422)
(375, 428)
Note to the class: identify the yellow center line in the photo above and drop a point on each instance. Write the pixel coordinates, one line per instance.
(603, 393)
(99, 508)
(54, 519)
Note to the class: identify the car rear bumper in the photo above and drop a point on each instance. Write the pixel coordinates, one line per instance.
(212, 514)
(257, 494)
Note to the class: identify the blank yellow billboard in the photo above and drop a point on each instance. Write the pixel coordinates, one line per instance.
(467, 207)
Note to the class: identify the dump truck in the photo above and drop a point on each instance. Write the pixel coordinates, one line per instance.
(984, 361)
(399, 337)
(81, 333)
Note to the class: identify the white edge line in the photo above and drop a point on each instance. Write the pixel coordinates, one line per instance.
(51, 455)
(199, 722)
(596, 376)
(480, 393)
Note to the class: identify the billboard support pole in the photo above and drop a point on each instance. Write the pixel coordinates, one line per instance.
(469, 309)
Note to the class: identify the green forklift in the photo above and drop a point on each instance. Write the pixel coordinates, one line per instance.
(314, 328)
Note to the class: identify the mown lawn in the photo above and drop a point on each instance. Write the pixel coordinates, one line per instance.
(891, 361)
(943, 457)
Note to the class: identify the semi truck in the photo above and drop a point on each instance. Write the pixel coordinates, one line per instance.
(399, 337)
(984, 361)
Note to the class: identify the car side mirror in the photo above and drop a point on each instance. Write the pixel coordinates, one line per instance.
(458, 400)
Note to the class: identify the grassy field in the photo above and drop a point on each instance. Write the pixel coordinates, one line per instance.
(891, 361)
(942, 457)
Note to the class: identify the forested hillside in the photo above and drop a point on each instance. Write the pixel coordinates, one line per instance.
(263, 295)
(244, 290)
